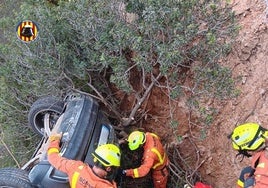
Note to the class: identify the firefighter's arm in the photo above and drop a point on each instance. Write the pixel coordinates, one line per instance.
(54, 157)
(144, 169)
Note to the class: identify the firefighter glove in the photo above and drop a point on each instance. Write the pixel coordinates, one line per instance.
(55, 136)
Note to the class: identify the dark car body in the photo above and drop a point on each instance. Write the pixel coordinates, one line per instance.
(84, 127)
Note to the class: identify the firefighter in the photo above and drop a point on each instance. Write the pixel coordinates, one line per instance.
(251, 140)
(106, 161)
(154, 158)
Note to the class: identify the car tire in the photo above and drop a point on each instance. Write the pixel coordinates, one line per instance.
(39, 108)
(14, 178)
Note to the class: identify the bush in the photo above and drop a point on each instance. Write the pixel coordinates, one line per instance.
(101, 43)
(79, 39)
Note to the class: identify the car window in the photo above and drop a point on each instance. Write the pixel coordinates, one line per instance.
(104, 135)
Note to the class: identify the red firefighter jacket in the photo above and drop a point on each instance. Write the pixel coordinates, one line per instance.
(201, 185)
(80, 174)
(260, 163)
(154, 157)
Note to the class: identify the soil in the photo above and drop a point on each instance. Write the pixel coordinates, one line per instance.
(248, 60)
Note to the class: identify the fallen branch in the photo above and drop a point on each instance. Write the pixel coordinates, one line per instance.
(118, 115)
(10, 153)
(128, 120)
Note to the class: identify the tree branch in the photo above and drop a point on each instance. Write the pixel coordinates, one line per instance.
(128, 120)
(102, 99)
(10, 153)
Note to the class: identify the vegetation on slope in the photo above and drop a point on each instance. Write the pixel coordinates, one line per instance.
(96, 46)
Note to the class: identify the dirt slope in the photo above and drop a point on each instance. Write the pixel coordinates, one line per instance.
(249, 61)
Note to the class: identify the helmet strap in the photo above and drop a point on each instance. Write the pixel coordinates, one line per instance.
(111, 174)
(242, 153)
(111, 170)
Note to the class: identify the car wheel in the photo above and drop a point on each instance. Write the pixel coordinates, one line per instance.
(14, 178)
(51, 105)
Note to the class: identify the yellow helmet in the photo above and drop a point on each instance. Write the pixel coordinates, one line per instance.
(248, 137)
(135, 139)
(107, 155)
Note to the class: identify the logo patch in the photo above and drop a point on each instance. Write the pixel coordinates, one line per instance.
(27, 31)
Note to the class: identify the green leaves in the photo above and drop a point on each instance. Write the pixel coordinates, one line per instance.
(102, 43)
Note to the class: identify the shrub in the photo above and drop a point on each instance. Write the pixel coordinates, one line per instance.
(100, 43)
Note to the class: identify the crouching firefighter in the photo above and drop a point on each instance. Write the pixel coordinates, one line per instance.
(251, 140)
(154, 158)
(81, 175)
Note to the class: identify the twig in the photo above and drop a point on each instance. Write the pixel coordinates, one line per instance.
(10, 153)
(104, 101)
(140, 101)
(175, 170)
(88, 94)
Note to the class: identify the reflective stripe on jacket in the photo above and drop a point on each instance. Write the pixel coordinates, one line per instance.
(154, 157)
(80, 174)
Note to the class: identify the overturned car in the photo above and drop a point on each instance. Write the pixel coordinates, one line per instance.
(84, 127)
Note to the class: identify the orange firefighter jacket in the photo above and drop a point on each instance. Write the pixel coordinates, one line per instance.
(154, 157)
(80, 174)
(261, 169)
